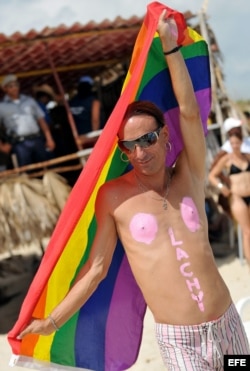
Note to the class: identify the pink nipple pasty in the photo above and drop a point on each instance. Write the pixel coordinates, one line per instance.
(190, 215)
(143, 227)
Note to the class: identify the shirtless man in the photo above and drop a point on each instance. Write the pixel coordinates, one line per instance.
(159, 215)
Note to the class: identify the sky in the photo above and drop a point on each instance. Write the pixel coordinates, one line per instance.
(227, 18)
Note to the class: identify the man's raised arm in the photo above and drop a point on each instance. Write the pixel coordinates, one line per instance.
(190, 121)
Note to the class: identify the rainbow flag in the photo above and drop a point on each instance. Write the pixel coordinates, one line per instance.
(105, 335)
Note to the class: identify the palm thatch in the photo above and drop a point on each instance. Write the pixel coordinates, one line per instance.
(29, 208)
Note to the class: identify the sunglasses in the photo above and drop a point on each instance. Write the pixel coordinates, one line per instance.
(144, 141)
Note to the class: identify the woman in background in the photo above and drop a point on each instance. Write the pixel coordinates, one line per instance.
(236, 166)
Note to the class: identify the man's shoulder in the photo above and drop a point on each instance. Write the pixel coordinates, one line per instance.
(116, 186)
(6, 100)
(25, 97)
(6, 105)
(116, 182)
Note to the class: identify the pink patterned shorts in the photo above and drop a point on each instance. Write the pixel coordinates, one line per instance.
(202, 347)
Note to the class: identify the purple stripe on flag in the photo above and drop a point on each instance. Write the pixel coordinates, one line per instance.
(204, 100)
(172, 119)
(126, 312)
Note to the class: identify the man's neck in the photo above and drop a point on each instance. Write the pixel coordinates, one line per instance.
(14, 97)
(157, 182)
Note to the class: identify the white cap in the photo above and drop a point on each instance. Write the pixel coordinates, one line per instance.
(8, 79)
(231, 123)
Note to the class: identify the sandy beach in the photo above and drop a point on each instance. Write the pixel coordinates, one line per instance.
(235, 274)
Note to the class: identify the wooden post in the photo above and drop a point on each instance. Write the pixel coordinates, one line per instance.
(65, 102)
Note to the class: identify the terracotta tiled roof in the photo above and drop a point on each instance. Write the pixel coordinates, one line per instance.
(80, 49)
(76, 50)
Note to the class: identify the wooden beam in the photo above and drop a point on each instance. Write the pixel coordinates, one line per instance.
(83, 154)
(48, 71)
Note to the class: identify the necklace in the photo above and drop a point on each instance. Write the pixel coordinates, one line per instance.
(164, 198)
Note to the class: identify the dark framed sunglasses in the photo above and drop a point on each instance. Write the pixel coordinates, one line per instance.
(144, 141)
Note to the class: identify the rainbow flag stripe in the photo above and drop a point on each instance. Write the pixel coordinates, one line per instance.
(106, 333)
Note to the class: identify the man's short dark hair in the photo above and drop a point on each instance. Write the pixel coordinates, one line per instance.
(147, 108)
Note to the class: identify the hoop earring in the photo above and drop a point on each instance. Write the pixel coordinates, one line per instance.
(169, 146)
(123, 159)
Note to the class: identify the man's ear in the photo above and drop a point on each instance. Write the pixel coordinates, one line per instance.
(165, 133)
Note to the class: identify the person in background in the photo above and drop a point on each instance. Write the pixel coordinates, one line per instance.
(158, 213)
(236, 166)
(23, 121)
(44, 95)
(5, 153)
(86, 107)
(232, 124)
